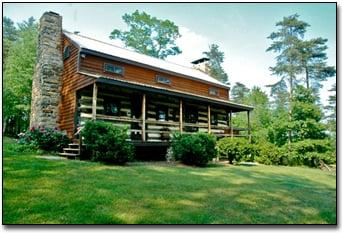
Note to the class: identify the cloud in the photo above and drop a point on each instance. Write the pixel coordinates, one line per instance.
(192, 45)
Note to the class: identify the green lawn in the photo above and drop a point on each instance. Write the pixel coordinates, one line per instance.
(39, 190)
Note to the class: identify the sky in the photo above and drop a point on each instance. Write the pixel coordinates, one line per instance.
(240, 30)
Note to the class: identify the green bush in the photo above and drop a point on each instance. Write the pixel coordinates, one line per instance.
(309, 152)
(235, 149)
(107, 142)
(43, 138)
(267, 153)
(194, 149)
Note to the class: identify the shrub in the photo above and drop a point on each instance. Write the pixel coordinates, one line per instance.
(43, 138)
(194, 149)
(267, 153)
(309, 152)
(235, 149)
(107, 142)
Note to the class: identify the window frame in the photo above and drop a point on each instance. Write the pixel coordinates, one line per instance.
(66, 52)
(214, 91)
(105, 64)
(159, 79)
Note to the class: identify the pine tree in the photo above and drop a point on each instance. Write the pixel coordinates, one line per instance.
(286, 43)
(214, 67)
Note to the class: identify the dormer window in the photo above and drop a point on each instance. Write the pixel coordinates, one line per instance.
(163, 80)
(213, 91)
(115, 69)
(66, 52)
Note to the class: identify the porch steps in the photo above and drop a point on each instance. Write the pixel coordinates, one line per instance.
(73, 151)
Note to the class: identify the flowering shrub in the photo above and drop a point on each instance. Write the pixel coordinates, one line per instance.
(44, 138)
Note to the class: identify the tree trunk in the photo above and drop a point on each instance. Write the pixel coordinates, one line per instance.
(290, 110)
(307, 77)
(4, 125)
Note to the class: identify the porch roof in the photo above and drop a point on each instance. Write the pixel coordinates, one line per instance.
(145, 87)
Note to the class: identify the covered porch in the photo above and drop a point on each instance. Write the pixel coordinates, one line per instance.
(152, 114)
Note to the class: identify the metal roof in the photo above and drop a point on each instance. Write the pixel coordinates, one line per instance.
(109, 49)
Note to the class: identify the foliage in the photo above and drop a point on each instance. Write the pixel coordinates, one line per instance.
(214, 67)
(195, 149)
(235, 149)
(306, 116)
(149, 35)
(309, 152)
(331, 108)
(313, 61)
(239, 92)
(43, 138)
(21, 45)
(107, 142)
(10, 34)
(285, 43)
(267, 153)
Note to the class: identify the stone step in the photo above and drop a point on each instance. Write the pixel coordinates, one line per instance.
(71, 149)
(68, 155)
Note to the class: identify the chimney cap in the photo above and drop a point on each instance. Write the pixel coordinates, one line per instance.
(198, 61)
(51, 12)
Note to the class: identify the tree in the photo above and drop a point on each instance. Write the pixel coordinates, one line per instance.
(261, 114)
(239, 92)
(18, 72)
(306, 116)
(331, 108)
(149, 35)
(214, 68)
(313, 58)
(286, 43)
(10, 34)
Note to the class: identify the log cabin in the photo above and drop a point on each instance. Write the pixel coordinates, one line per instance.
(79, 78)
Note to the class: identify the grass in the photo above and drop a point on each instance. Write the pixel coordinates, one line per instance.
(42, 191)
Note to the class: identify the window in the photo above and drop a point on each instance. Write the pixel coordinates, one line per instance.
(191, 115)
(173, 112)
(162, 113)
(111, 108)
(67, 52)
(213, 119)
(213, 91)
(163, 80)
(113, 69)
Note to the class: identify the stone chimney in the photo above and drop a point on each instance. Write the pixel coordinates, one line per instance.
(46, 83)
(201, 64)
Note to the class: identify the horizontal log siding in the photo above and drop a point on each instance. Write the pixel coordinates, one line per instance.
(71, 82)
(134, 73)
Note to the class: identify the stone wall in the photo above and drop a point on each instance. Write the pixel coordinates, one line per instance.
(46, 85)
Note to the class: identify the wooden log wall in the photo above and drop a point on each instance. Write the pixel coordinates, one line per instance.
(161, 130)
(93, 64)
(71, 83)
(127, 117)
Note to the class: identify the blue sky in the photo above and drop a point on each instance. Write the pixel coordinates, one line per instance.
(240, 29)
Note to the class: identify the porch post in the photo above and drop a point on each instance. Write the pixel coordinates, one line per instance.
(231, 124)
(249, 126)
(143, 115)
(94, 101)
(181, 115)
(209, 119)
